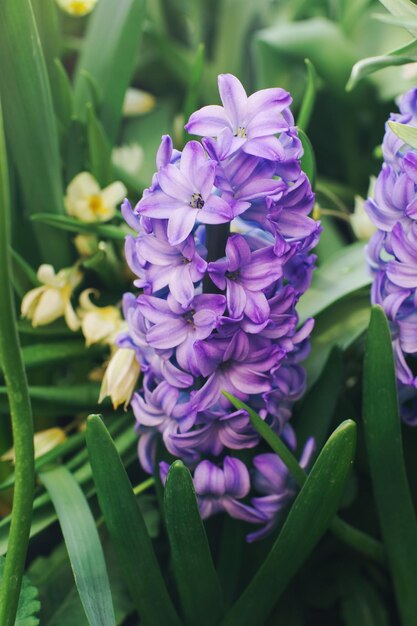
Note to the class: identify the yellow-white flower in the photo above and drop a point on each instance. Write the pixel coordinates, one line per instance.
(77, 7)
(86, 201)
(52, 299)
(129, 157)
(121, 377)
(359, 220)
(100, 324)
(137, 102)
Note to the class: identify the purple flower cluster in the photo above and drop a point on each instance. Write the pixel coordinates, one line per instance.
(222, 255)
(392, 251)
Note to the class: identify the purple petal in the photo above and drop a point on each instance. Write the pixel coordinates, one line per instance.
(236, 299)
(167, 334)
(157, 204)
(265, 147)
(209, 120)
(238, 252)
(266, 99)
(209, 479)
(180, 224)
(175, 184)
(236, 477)
(164, 154)
(180, 285)
(215, 211)
(234, 98)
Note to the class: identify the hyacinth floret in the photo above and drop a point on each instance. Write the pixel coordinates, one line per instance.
(222, 255)
(392, 251)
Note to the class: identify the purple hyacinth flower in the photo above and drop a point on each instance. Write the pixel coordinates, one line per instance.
(244, 122)
(244, 274)
(220, 489)
(273, 481)
(173, 326)
(186, 195)
(193, 344)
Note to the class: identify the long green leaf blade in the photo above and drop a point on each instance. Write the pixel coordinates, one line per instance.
(109, 56)
(127, 529)
(314, 509)
(197, 580)
(83, 545)
(30, 121)
(383, 439)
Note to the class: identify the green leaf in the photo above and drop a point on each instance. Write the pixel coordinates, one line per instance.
(99, 149)
(191, 101)
(30, 121)
(383, 440)
(38, 354)
(109, 56)
(29, 604)
(127, 528)
(360, 602)
(83, 545)
(308, 160)
(402, 8)
(339, 325)
(202, 602)
(365, 67)
(408, 134)
(60, 602)
(75, 396)
(341, 274)
(76, 226)
(319, 39)
(63, 96)
(43, 513)
(314, 508)
(307, 104)
(316, 411)
(64, 448)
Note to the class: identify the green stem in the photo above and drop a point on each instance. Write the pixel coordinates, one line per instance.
(20, 412)
(356, 539)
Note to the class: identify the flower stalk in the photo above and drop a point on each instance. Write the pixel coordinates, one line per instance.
(20, 412)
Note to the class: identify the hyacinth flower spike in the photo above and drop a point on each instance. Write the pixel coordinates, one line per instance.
(222, 254)
(392, 251)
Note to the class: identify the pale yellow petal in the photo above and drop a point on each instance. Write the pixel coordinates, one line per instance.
(46, 274)
(50, 307)
(113, 194)
(30, 300)
(71, 318)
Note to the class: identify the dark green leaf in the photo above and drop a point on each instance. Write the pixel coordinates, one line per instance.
(308, 160)
(30, 121)
(47, 353)
(81, 395)
(99, 149)
(109, 56)
(197, 581)
(341, 274)
(76, 226)
(83, 545)
(314, 415)
(383, 439)
(307, 104)
(63, 96)
(127, 528)
(314, 508)
(338, 325)
(29, 605)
